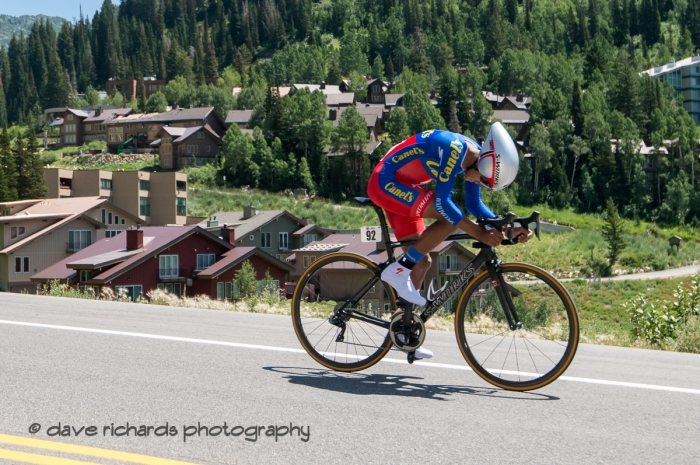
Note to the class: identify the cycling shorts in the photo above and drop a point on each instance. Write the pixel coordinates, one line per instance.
(403, 202)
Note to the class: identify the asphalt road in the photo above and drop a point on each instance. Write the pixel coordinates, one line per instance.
(86, 363)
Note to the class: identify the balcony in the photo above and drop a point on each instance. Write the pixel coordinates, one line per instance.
(75, 246)
(171, 274)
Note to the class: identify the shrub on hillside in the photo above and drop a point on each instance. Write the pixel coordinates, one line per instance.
(204, 175)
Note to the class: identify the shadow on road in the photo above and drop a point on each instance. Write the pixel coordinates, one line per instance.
(391, 385)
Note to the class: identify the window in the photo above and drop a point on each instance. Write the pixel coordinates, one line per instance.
(69, 139)
(181, 206)
(181, 186)
(448, 262)
(129, 126)
(224, 290)
(309, 238)
(21, 264)
(88, 127)
(132, 292)
(377, 99)
(106, 184)
(112, 233)
(16, 231)
(85, 275)
(69, 128)
(191, 149)
(145, 206)
(387, 308)
(69, 117)
(5, 212)
(78, 240)
(169, 266)
(99, 128)
(265, 240)
(308, 260)
(284, 240)
(205, 260)
(229, 290)
(123, 221)
(220, 291)
(109, 217)
(200, 135)
(116, 218)
(144, 185)
(208, 148)
(104, 216)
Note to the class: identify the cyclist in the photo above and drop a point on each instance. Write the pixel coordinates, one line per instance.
(435, 155)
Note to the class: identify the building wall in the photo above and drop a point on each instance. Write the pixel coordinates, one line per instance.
(208, 286)
(164, 195)
(280, 225)
(206, 150)
(127, 192)
(147, 273)
(30, 226)
(86, 183)
(78, 133)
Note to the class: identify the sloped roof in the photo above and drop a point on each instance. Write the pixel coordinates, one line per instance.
(369, 109)
(109, 114)
(346, 98)
(519, 102)
(370, 118)
(238, 116)
(64, 209)
(329, 89)
(236, 256)
(392, 100)
(242, 227)
(195, 129)
(78, 113)
(155, 238)
(57, 122)
(307, 228)
(354, 244)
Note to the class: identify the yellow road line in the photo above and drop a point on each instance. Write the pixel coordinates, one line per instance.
(25, 457)
(86, 450)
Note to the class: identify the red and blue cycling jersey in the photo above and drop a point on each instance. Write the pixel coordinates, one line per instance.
(396, 183)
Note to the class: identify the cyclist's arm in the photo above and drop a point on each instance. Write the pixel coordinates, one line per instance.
(475, 206)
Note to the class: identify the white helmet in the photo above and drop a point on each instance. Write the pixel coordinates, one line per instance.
(498, 160)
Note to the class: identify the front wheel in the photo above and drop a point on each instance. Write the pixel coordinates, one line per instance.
(527, 357)
(341, 312)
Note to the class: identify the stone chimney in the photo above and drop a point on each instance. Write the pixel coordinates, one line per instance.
(323, 85)
(98, 111)
(228, 235)
(332, 114)
(249, 211)
(134, 238)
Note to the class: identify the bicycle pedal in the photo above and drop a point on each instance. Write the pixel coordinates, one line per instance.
(411, 357)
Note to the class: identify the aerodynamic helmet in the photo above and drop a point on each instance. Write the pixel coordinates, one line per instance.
(498, 160)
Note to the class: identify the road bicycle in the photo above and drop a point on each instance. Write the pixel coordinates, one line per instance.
(516, 325)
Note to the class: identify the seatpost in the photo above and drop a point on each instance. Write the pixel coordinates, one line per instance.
(385, 233)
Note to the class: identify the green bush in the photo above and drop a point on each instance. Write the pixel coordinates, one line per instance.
(651, 321)
(203, 175)
(688, 339)
(48, 158)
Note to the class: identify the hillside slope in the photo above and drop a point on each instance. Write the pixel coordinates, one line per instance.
(10, 25)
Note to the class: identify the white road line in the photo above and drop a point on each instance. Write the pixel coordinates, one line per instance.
(301, 351)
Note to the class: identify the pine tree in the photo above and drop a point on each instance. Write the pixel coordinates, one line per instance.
(613, 231)
(211, 66)
(512, 9)
(334, 76)
(30, 179)
(576, 110)
(9, 166)
(3, 106)
(390, 71)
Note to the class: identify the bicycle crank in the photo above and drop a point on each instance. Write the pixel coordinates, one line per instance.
(407, 339)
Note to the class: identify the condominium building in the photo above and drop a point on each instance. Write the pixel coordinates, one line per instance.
(684, 77)
(132, 191)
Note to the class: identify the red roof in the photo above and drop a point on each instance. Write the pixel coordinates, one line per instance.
(237, 255)
(155, 238)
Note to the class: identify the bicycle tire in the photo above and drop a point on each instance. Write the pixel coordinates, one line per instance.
(379, 344)
(569, 331)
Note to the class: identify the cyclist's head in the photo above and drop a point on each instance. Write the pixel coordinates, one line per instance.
(498, 161)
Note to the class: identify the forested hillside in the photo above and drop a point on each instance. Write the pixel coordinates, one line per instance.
(579, 61)
(13, 25)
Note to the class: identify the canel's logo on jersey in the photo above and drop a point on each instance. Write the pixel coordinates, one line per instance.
(456, 147)
(425, 134)
(410, 153)
(396, 192)
(433, 167)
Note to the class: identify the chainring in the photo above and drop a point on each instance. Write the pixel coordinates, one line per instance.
(406, 339)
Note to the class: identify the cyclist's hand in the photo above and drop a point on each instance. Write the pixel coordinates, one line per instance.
(491, 237)
(521, 235)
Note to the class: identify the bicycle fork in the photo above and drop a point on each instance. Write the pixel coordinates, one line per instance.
(501, 287)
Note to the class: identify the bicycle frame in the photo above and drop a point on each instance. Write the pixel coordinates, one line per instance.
(486, 257)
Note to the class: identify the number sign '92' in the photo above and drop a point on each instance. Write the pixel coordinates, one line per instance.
(371, 233)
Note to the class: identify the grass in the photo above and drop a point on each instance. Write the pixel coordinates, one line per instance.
(568, 254)
(569, 217)
(73, 163)
(205, 201)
